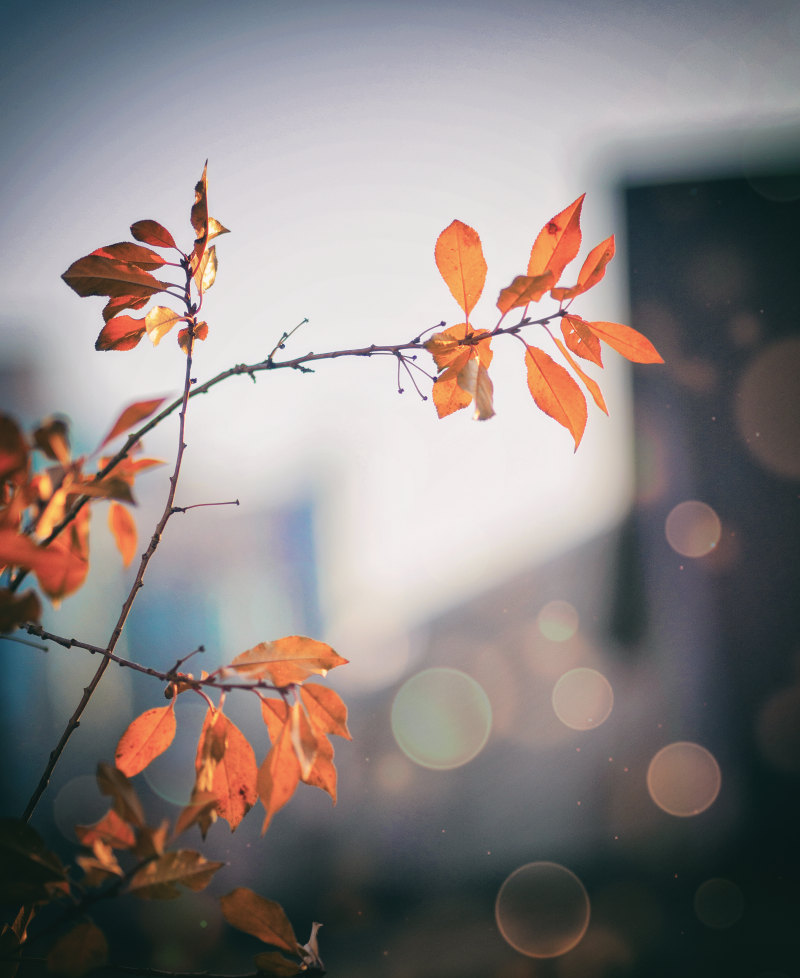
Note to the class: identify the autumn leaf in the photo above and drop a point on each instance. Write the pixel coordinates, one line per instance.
(278, 775)
(326, 709)
(207, 270)
(99, 275)
(158, 879)
(459, 258)
(464, 370)
(130, 416)
(100, 865)
(580, 339)
(259, 917)
(111, 829)
(153, 233)
(51, 437)
(124, 800)
(200, 333)
(557, 243)
(148, 736)
(593, 269)
(81, 949)
(199, 810)
(627, 341)
(199, 218)
(123, 527)
(555, 392)
(17, 609)
(117, 303)
(272, 964)
(286, 661)
(448, 397)
(60, 567)
(13, 449)
(590, 384)
(120, 333)
(323, 771)
(304, 739)
(215, 228)
(226, 768)
(159, 321)
(131, 254)
(524, 289)
(29, 868)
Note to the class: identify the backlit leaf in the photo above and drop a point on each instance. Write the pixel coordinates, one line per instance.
(278, 775)
(111, 829)
(474, 379)
(262, 918)
(326, 708)
(593, 269)
(275, 713)
(448, 348)
(200, 333)
(558, 242)
(120, 302)
(304, 740)
(153, 233)
(590, 384)
(60, 568)
(555, 392)
(123, 527)
(323, 772)
(463, 367)
(98, 275)
(581, 340)
(234, 780)
(159, 321)
(524, 289)
(199, 218)
(207, 270)
(148, 736)
(132, 254)
(130, 416)
(120, 333)
(215, 228)
(199, 809)
(627, 341)
(459, 258)
(158, 879)
(124, 799)
(77, 952)
(287, 661)
(448, 397)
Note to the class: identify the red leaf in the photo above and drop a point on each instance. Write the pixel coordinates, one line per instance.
(120, 333)
(136, 255)
(111, 829)
(13, 449)
(459, 258)
(627, 341)
(555, 392)
(558, 242)
(200, 333)
(120, 302)
(97, 275)
(153, 233)
(145, 739)
(130, 416)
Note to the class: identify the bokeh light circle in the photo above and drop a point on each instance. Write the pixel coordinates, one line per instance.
(768, 407)
(542, 910)
(558, 621)
(583, 699)
(441, 718)
(684, 779)
(79, 802)
(718, 903)
(693, 528)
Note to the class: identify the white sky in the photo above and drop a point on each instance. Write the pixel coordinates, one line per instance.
(342, 138)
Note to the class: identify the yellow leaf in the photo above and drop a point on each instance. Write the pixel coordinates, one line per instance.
(159, 321)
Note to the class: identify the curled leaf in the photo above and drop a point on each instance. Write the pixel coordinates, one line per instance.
(524, 289)
(593, 269)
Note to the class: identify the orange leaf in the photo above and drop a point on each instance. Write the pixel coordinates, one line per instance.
(278, 775)
(448, 349)
(153, 233)
(199, 218)
(590, 383)
(555, 392)
(593, 269)
(123, 526)
(133, 254)
(262, 918)
(120, 333)
(124, 800)
(98, 275)
(61, 567)
(13, 449)
(275, 714)
(226, 767)
(158, 879)
(304, 739)
(146, 738)
(459, 258)
(448, 397)
(18, 609)
(524, 289)
(323, 773)
(110, 829)
(287, 661)
(130, 416)
(558, 242)
(627, 341)
(580, 339)
(120, 302)
(326, 709)
(200, 333)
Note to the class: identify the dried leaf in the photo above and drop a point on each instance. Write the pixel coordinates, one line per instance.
(147, 737)
(159, 321)
(111, 829)
(473, 378)
(98, 275)
(286, 661)
(206, 271)
(200, 333)
(81, 949)
(594, 268)
(199, 810)
(524, 289)
(215, 228)
(158, 879)
(131, 254)
(120, 333)
(262, 918)
(558, 242)
(555, 392)
(326, 709)
(124, 800)
(581, 340)
(130, 416)
(199, 218)
(234, 781)
(153, 233)
(459, 258)
(52, 438)
(627, 341)
(278, 775)
(18, 609)
(123, 527)
(591, 385)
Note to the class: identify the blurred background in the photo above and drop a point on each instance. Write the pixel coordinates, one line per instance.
(573, 680)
